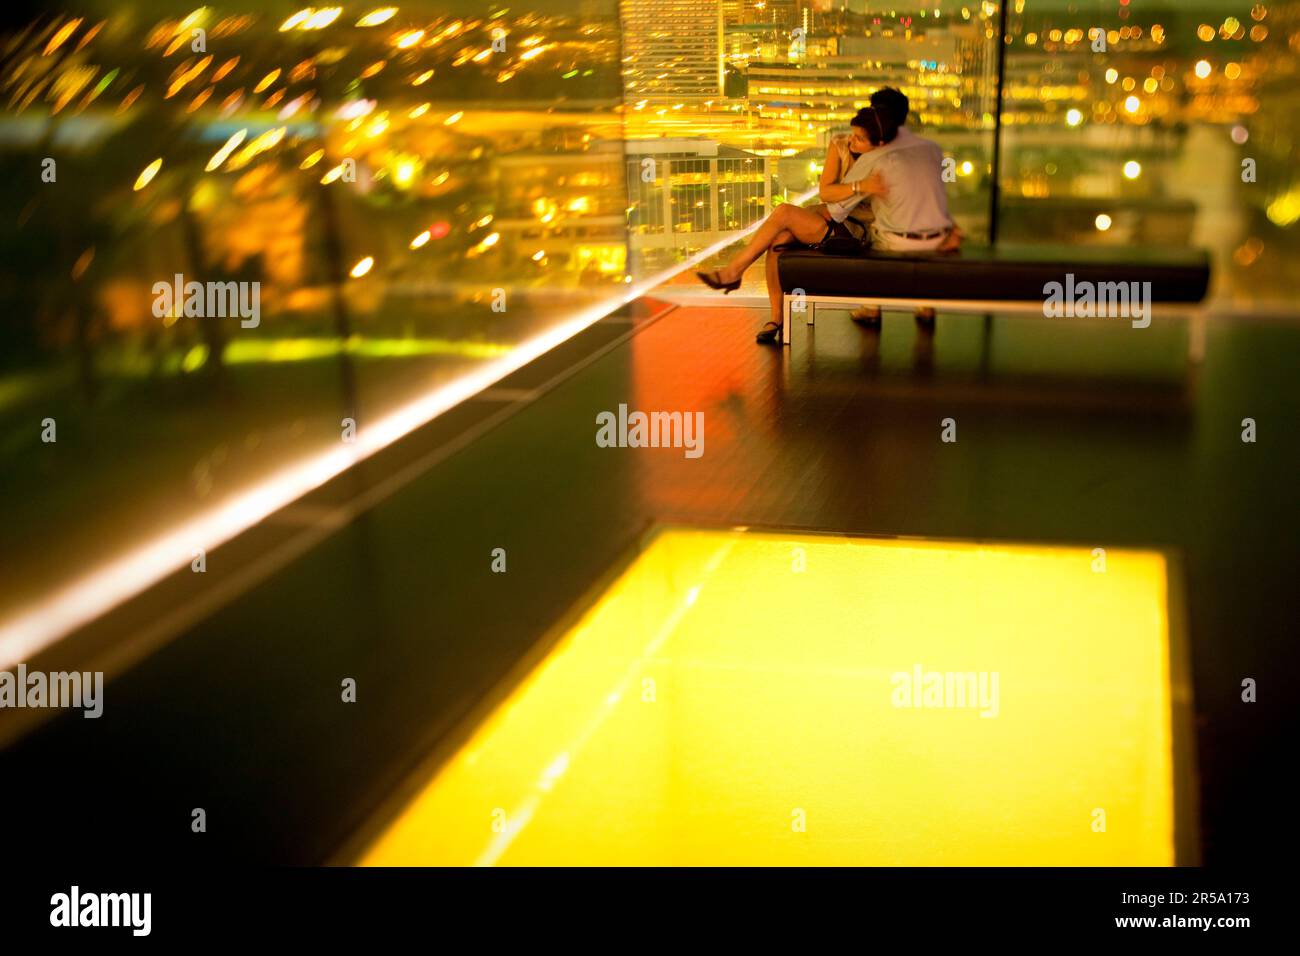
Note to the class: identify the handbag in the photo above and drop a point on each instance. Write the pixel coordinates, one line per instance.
(842, 240)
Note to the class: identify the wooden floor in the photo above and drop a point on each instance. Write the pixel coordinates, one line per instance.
(1064, 433)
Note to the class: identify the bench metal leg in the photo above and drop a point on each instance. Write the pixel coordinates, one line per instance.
(786, 306)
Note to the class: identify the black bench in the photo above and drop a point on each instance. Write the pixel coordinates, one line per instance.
(987, 279)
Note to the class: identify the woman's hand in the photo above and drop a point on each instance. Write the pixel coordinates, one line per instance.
(874, 185)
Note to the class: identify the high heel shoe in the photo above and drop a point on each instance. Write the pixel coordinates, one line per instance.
(713, 281)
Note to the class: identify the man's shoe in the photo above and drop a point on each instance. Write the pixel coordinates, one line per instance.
(867, 316)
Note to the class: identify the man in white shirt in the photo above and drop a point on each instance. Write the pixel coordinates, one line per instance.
(911, 212)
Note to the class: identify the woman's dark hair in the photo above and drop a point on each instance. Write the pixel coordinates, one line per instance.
(879, 125)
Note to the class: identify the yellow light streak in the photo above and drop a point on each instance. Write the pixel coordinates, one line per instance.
(375, 17)
(147, 175)
(224, 152)
(61, 36)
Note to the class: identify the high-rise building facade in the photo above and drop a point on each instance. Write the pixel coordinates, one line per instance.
(672, 50)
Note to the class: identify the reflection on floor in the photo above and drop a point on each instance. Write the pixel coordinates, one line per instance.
(900, 702)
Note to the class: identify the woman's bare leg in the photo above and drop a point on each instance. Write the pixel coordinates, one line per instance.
(774, 294)
(806, 225)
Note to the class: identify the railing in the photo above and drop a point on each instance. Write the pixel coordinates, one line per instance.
(685, 204)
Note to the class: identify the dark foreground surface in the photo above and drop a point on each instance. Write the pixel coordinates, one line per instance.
(1064, 435)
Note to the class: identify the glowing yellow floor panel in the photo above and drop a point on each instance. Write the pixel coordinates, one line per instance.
(737, 698)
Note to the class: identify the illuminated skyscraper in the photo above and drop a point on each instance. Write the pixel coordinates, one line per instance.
(672, 49)
(780, 13)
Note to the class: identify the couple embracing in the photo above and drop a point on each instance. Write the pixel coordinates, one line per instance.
(882, 185)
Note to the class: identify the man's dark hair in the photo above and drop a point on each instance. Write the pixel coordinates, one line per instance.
(878, 124)
(891, 101)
